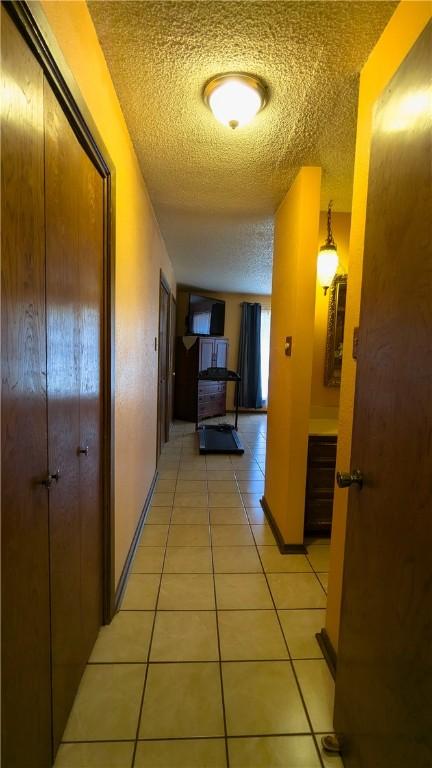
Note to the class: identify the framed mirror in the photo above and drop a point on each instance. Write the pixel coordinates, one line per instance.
(335, 332)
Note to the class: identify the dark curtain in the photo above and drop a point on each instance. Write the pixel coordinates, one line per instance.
(249, 364)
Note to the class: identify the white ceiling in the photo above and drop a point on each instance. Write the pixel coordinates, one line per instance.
(215, 190)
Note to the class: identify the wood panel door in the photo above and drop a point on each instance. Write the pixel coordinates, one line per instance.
(163, 366)
(26, 689)
(171, 360)
(74, 231)
(91, 394)
(383, 685)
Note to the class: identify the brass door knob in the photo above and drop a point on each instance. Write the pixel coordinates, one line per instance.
(346, 479)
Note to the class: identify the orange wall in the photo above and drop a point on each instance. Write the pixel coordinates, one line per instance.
(322, 396)
(140, 253)
(233, 303)
(404, 28)
(293, 300)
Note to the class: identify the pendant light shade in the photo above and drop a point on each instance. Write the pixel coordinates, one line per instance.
(328, 260)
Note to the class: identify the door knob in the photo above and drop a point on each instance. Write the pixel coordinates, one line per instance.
(83, 450)
(48, 481)
(345, 479)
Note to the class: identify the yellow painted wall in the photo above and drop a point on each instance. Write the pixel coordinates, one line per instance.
(293, 299)
(140, 253)
(233, 303)
(402, 31)
(322, 396)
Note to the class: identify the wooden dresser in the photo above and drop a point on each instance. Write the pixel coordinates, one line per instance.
(209, 397)
(321, 467)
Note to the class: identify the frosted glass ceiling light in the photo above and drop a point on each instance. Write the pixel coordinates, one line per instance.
(328, 260)
(235, 98)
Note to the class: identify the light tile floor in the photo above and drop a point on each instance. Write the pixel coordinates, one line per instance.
(212, 661)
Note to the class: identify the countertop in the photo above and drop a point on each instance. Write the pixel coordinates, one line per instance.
(324, 427)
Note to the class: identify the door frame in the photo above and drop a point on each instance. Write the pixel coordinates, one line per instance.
(171, 357)
(164, 285)
(33, 26)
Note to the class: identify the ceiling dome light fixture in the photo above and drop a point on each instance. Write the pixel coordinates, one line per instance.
(235, 97)
(328, 260)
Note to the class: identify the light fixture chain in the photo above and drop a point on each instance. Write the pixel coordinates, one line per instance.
(330, 240)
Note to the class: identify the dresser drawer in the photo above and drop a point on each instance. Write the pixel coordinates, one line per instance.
(319, 515)
(320, 479)
(322, 451)
(213, 404)
(211, 388)
(321, 468)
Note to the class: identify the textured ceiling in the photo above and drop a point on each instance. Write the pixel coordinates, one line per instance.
(215, 190)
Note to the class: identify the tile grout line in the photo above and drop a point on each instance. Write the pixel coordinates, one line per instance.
(207, 661)
(256, 573)
(293, 669)
(219, 650)
(316, 574)
(288, 651)
(197, 738)
(148, 655)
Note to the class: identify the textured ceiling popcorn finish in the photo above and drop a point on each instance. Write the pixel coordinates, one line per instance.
(214, 189)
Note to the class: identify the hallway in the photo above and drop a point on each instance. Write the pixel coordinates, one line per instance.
(212, 660)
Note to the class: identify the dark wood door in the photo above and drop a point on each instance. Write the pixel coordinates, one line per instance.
(171, 359)
(163, 366)
(221, 353)
(383, 686)
(26, 690)
(74, 220)
(206, 354)
(90, 255)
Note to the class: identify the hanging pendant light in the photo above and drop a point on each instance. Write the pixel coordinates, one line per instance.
(328, 260)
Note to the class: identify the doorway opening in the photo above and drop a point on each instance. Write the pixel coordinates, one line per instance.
(164, 365)
(265, 353)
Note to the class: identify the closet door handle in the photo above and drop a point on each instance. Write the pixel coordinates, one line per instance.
(48, 481)
(84, 450)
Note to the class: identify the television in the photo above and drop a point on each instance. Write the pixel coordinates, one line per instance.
(206, 316)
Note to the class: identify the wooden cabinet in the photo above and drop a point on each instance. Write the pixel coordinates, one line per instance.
(321, 467)
(207, 398)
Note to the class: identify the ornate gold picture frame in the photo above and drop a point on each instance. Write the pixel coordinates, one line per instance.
(335, 332)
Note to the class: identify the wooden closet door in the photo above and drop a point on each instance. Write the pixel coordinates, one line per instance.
(74, 290)
(26, 694)
(90, 256)
(163, 367)
(62, 187)
(171, 361)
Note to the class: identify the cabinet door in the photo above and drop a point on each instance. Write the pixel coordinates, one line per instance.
(221, 353)
(26, 689)
(206, 356)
